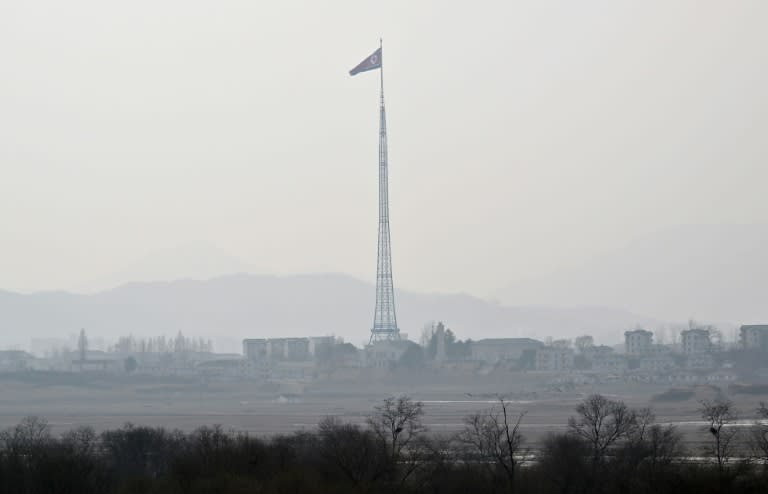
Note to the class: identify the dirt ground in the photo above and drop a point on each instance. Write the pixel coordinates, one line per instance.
(259, 409)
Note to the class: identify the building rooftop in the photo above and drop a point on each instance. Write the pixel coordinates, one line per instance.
(14, 355)
(638, 331)
(696, 331)
(507, 341)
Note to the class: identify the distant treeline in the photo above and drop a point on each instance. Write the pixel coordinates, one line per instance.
(608, 448)
(161, 344)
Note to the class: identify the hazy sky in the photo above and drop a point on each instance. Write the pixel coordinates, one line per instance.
(523, 135)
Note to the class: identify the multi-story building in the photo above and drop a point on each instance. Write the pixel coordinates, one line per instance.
(638, 342)
(320, 343)
(255, 349)
(554, 359)
(295, 349)
(278, 349)
(754, 336)
(695, 341)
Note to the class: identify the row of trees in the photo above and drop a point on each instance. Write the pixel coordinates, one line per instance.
(180, 344)
(608, 447)
(416, 356)
(455, 349)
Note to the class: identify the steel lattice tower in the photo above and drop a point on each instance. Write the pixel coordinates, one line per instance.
(384, 319)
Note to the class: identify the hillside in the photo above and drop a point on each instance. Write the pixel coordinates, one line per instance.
(232, 307)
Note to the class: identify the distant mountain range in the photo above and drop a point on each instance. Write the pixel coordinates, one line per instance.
(713, 273)
(229, 308)
(195, 261)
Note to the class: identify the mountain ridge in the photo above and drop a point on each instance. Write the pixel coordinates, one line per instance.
(232, 307)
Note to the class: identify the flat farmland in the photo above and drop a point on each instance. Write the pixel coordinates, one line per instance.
(257, 409)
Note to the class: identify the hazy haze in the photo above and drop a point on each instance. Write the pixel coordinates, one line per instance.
(525, 137)
(230, 308)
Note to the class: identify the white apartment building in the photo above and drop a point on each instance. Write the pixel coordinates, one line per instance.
(638, 342)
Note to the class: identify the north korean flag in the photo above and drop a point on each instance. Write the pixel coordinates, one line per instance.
(370, 63)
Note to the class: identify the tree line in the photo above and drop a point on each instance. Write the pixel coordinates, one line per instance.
(607, 447)
(180, 344)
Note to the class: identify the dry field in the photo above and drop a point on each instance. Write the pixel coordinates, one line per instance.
(252, 407)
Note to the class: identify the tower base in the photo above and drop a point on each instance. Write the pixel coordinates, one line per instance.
(385, 335)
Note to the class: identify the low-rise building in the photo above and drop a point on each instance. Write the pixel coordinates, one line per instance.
(15, 360)
(597, 351)
(385, 353)
(722, 375)
(554, 359)
(225, 367)
(494, 350)
(283, 349)
(660, 349)
(107, 365)
(638, 342)
(684, 376)
(695, 341)
(657, 363)
(610, 363)
(700, 361)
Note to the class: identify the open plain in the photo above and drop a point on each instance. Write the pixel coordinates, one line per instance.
(263, 409)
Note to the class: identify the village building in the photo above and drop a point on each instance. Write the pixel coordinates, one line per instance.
(700, 361)
(385, 353)
(657, 363)
(494, 350)
(695, 341)
(610, 363)
(754, 336)
(15, 360)
(284, 349)
(554, 359)
(638, 342)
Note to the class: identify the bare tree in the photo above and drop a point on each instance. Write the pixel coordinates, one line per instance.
(426, 333)
(563, 461)
(494, 437)
(759, 433)
(601, 423)
(584, 343)
(351, 450)
(81, 441)
(27, 436)
(664, 446)
(644, 420)
(720, 414)
(397, 423)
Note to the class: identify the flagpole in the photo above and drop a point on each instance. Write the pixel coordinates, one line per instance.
(381, 70)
